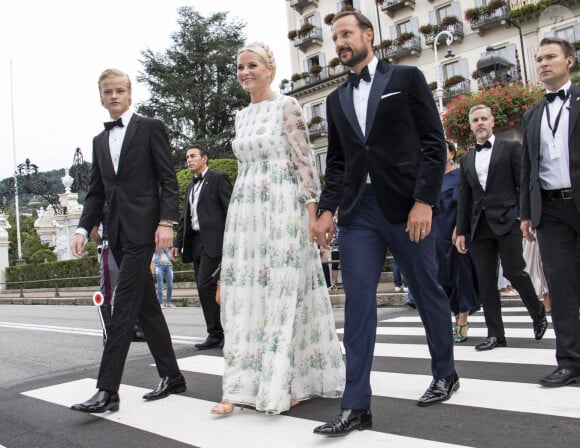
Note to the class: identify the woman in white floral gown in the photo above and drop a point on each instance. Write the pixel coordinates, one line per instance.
(280, 341)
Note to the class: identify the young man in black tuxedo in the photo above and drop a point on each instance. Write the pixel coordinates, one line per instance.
(133, 173)
(200, 236)
(550, 198)
(488, 209)
(385, 163)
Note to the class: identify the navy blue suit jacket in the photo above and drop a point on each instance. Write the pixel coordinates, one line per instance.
(403, 148)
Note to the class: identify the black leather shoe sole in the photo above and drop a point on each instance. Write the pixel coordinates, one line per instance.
(111, 406)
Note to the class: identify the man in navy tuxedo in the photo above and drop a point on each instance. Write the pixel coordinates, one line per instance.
(385, 164)
(550, 198)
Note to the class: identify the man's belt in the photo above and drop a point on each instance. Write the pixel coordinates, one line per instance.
(555, 195)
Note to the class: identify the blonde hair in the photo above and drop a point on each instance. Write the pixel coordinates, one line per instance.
(112, 73)
(264, 53)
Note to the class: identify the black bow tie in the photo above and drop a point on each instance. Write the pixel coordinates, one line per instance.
(551, 96)
(355, 78)
(479, 147)
(197, 179)
(111, 124)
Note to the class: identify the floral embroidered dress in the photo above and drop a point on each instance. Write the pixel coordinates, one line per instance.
(280, 339)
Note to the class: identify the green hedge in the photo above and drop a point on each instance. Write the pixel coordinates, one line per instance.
(31, 273)
(42, 275)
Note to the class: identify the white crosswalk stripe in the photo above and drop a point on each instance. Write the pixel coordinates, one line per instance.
(171, 418)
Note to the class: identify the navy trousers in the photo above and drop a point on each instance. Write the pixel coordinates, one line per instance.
(363, 245)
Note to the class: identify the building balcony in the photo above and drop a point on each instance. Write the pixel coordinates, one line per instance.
(489, 19)
(389, 7)
(454, 90)
(313, 37)
(456, 29)
(327, 76)
(411, 47)
(318, 129)
(299, 5)
(501, 77)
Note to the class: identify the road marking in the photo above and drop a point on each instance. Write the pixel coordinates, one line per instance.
(511, 319)
(502, 395)
(84, 331)
(525, 333)
(530, 356)
(187, 420)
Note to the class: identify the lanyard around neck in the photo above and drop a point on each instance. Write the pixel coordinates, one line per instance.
(554, 129)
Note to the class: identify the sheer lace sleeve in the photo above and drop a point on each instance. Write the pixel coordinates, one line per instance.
(301, 154)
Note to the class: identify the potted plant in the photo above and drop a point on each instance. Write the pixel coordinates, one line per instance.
(496, 4)
(428, 29)
(476, 74)
(385, 44)
(452, 80)
(296, 77)
(449, 21)
(305, 29)
(433, 85)
(315, 70)
(404, 37)
(334, 62)
(473, 14)
(292, 34)
(328, 18)
(315, 120)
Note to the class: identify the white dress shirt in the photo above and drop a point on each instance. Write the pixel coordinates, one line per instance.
(360, 96)
(194, 199)
(554, 152)
(482, 159)
(116, 136)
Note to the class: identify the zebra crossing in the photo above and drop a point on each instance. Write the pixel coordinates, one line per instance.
(498, 387)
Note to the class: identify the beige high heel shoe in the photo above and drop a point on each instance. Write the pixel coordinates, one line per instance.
(223, 408)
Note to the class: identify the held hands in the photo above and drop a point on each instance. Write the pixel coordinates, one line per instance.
(419, 222)
(78, 246)
(163, 237)
(322, 229)
(527, 231)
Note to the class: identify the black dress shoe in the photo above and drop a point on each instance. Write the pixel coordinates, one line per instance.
(560, 377)
(439, 390)
(167, 386)
(102, 401)
(491, 343)
(345, 422)
(540, 326)
(210, 343)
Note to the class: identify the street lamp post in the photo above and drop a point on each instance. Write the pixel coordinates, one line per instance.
(448, 41)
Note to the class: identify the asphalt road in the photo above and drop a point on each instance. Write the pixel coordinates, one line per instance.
(49, 356)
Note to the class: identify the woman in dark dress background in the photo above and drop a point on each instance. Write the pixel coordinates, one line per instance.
(457, 273)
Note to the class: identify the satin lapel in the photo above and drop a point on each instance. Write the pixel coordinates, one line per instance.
(129, 135)
(205, 185)
(380, 81)
(345, 98)
(106, 156)
(496, 155)
(535, 124)
(574, 111)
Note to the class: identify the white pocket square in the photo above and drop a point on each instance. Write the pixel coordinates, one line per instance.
(389, 94)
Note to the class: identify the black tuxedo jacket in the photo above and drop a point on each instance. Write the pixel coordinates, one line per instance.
(212, 207)
(144, 189)
(403, 149)
(530, 192)
(500, 200)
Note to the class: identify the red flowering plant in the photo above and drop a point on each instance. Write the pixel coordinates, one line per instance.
(508, 103)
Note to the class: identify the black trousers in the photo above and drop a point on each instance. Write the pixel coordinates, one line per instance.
(135, 298)
(205, 268)
(559, 239)
(486, 247)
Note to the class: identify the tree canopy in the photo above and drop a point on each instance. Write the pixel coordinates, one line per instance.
(193, 86)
